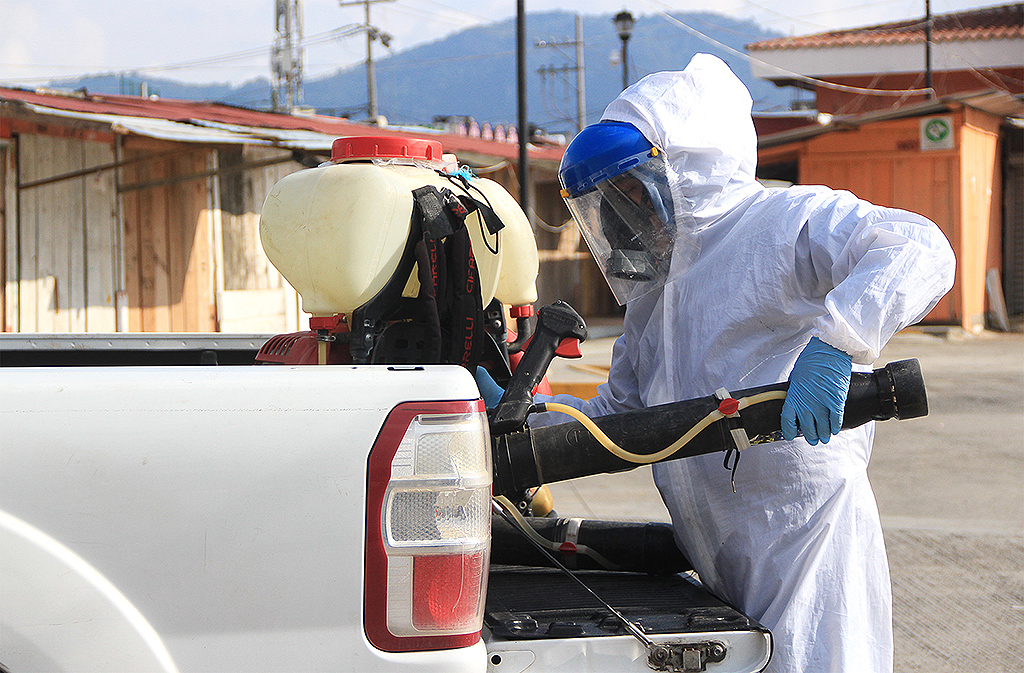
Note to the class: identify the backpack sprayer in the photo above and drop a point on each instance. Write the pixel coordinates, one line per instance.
(400, 255)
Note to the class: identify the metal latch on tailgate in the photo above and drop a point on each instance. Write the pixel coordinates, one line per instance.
(684, 657)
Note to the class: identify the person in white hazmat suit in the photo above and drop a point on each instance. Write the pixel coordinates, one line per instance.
(731, 284)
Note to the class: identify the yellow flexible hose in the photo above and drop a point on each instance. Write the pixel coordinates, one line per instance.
(647, 459)
(525, 526)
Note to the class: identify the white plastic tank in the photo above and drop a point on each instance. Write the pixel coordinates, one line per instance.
(337, 232)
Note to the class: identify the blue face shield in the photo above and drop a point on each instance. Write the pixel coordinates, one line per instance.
(629, 224)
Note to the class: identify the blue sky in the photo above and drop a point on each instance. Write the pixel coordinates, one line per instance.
(180, 39)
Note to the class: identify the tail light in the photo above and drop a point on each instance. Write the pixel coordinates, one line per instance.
(428, 527)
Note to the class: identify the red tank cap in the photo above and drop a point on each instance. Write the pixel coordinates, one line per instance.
(384, 147)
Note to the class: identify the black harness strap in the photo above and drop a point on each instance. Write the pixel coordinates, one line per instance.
(465, 307)
(427, 264)
(447, 322)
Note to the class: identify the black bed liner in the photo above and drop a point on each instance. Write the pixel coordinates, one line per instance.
(531, 603)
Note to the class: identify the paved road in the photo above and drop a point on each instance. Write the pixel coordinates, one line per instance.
(950, 489)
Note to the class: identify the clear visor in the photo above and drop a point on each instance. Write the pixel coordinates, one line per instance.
(628, 222)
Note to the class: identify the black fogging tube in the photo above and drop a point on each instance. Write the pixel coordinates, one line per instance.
(626, 546)
(555, 453)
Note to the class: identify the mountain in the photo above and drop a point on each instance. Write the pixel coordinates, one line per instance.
(473, 72)
(251, 94)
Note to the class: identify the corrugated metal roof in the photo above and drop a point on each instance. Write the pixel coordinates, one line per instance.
(290, 138)
(164, 129)
(205, 122)
(988, 23)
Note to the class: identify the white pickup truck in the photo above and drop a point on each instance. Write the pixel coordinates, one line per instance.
(293, 518)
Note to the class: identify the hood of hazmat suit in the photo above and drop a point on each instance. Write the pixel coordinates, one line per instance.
(798, 546)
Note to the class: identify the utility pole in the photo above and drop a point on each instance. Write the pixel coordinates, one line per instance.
(524, 129)
(928, 47)
(372, 34)
(581, 94)
(578, 68)
(286, 57)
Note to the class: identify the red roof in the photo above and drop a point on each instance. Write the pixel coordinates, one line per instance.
(988, 23)
(184, 111)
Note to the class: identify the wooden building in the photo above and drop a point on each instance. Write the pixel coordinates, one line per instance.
(952, 153)
(122, 213)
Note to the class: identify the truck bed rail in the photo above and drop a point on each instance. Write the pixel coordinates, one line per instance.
(124, 349)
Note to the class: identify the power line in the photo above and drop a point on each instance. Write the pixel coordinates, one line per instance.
(450, 59)
(797, 76)
(205, 62)
(372, 33)
(578, 69)
(836, 11)
(286, 56)
(780, 16)
(433, 15)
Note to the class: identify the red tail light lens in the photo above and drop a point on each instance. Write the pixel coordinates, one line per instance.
(435, 604)
(428, 527)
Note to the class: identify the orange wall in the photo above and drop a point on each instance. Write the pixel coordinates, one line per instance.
(981, 214)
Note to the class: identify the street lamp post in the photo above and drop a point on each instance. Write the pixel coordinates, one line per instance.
(624, 24)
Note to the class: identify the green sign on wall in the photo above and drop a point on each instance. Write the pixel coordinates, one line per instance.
(936, 133)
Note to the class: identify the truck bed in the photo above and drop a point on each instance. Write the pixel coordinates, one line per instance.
(541, 615)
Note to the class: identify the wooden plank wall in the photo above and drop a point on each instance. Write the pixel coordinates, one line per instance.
(252, 295)
(246, 266)
(175, 224)
(65, 237)
(101, 254)
(8, 251)
(167, 238)
(567, 271)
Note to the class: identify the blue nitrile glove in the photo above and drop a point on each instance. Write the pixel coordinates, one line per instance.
(489, 390)
(817, 393)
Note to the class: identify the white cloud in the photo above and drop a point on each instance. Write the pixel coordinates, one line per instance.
(20, 22)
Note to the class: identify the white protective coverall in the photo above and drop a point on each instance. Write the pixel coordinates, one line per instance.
(799, 545)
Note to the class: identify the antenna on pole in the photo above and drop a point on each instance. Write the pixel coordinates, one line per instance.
(286, 57)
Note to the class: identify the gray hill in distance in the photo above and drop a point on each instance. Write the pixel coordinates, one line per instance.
(473, 72)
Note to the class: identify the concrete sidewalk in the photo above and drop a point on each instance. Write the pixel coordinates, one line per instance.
(950, 490)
